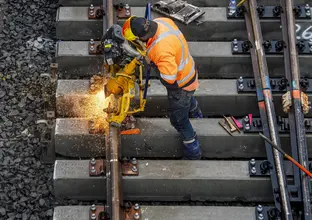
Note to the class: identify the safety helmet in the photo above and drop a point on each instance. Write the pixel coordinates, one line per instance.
(138, 27)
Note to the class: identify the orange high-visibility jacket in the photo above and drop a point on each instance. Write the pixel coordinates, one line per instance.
(169, 51)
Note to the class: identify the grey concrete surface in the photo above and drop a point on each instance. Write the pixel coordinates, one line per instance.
(72, 23)
(73, 99)
(73, 59)
(72, 139)
(215, 97)
(202, 3)
(167, 212)
(213, 60)
(166, 180)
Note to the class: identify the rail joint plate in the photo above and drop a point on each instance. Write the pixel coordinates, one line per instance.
(97, 212)
(95, 47)
(128, 167)
(130, 212)
(96, 12)
(123, 11)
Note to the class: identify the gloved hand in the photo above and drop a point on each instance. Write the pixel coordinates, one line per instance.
(287, 102)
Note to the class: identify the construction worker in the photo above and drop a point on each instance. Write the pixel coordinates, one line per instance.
(168, 50)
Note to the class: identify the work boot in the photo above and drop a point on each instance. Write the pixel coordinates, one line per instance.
(192, 150)
(195, 111)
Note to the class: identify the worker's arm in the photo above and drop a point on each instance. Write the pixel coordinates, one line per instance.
(166, 64)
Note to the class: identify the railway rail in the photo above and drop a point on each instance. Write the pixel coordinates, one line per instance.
(152, 171)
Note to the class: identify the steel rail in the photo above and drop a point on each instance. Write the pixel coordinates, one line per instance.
(291, 115)
(105, 25)
(112, 141)
(115, 172)
(296, 104)
(108, 206)
(270, 110)
(260, 99)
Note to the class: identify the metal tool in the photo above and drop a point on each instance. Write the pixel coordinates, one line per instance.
(302, 168)
(233, 126)
(228, 125)
(178, 10)
(225, 126)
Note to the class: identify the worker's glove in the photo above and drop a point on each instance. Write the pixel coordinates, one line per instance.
(287, 102)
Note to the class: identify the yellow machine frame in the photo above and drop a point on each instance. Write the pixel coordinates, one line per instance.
(124, 84)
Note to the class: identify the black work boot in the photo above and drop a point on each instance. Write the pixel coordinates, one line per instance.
(192, 150)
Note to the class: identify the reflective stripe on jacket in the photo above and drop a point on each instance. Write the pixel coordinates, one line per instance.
(169, 51)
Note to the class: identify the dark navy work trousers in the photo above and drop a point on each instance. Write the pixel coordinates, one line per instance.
(181, 105)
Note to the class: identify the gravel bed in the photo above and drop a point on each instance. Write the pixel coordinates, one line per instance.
(27, 46)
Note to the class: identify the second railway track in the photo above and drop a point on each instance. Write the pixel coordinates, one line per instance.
(222, 177)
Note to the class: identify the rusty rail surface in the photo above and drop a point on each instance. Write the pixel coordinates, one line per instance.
(266, 107)
(112, 141)
(289, 204)
(293, 72)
